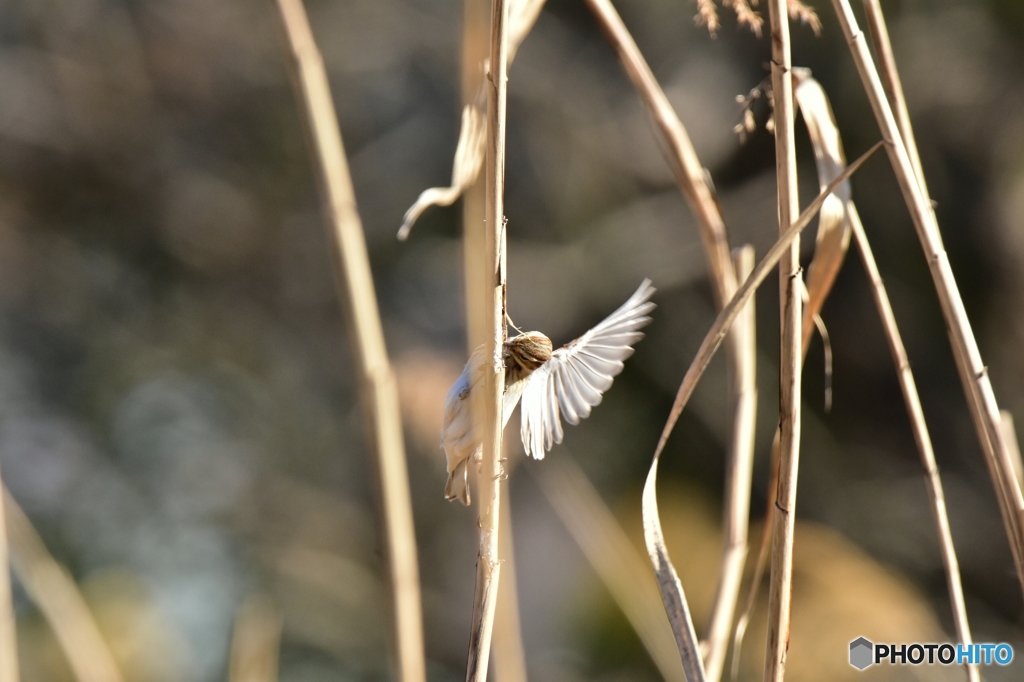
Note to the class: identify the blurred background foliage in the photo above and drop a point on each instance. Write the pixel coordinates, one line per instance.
(179, 419)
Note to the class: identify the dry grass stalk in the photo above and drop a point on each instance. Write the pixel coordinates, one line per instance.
(691, 178)
(892, 83)
(829, 158)
(738, 474)
(55, 593)
(668, 580)
(378, 392)
(921, 437)
(791, 351)
(973, 373)
(614, 558)
(488, 406)
(8, 633)
(255, 642)
(682, 159)
(509, 655)
(470, 150)
(1010, 433)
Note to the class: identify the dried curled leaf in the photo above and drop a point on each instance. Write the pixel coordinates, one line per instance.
(668, 580)
(469, 152)
(469, 157)
(833, 222)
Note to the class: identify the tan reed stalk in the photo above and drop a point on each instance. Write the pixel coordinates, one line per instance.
(1010, 433)
(55, 593)
(973, 373)
(255, 642)
(378, 392)
(509, 655)
(475, 36)
(507, 645)
(791, 355)
(489, 406)
(738, 475)
(692, 180)
(8, 633)
(668, 580)
(892, 83)
(921, 436)
(615, 559)
(678, 149)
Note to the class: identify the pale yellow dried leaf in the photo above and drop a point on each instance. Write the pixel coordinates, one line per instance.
(469, 152)
(469, 157)
(833, 238)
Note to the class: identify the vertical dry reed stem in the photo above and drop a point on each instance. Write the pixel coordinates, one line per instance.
(668, 580)
(921, 435)
(1010, 433)
(791, 323)
(973, 373)
(507, 644)
(692, 180)
(892, 83)
(378, 392)
(488, 566)
(509, 656)
(739, 471)
(678, 149)
(255, 642)
(58, 597)
(8, 635)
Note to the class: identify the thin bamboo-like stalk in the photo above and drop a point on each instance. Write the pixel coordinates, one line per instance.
(1010, 433)
(489, 405)
(8, 635)
(892, 84)
(668, 580)
(678, 149)
(790, 362)
(973, 373)
(509, 655)
(507, 645)
(55, 593)
(255, 642)
(738, 475)
(921, 436)
(378, 392)
(692, 180)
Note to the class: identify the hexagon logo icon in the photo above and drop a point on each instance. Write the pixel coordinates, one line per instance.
(861, 653)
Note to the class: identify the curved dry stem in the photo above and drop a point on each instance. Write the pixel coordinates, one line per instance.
(668, 581)
(973, 373)
(59, 599)
(488, 404)
(378, 391)
(739, 466)
(921, 437)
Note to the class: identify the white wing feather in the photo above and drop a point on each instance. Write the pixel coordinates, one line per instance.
(573, 380)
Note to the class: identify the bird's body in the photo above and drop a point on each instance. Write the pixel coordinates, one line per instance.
(566, 382)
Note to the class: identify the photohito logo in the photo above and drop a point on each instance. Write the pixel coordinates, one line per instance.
(864, 653)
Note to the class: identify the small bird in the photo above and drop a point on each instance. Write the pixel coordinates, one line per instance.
(564, 383)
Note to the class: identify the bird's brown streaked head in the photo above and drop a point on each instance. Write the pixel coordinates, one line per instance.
(527, 351)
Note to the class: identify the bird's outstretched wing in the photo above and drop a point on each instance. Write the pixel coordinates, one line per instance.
(572, 381)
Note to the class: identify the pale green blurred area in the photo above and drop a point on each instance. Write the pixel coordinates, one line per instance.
(179, 419)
